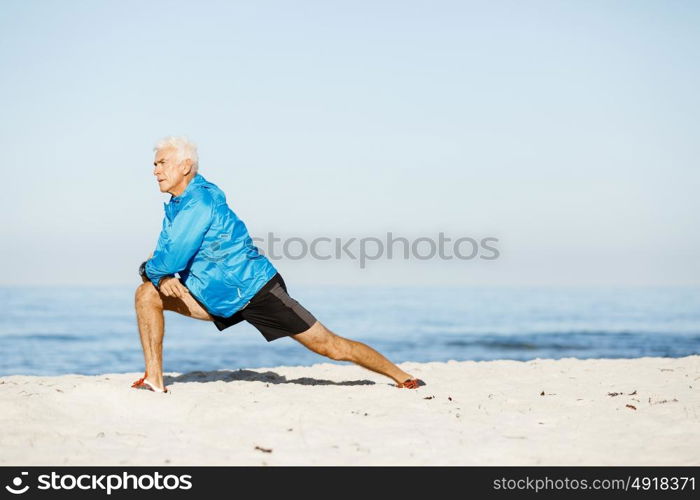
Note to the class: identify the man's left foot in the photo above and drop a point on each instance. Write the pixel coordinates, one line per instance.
(143, 383)
(139, 382)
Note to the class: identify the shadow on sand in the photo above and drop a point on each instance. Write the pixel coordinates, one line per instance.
(253, 376)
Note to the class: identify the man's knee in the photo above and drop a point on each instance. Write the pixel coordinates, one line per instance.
(146, 294)
(337, 348)
(324, 342)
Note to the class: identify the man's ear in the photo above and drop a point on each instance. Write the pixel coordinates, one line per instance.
(186, 166)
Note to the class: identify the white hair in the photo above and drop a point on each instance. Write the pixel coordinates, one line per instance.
(185, 149)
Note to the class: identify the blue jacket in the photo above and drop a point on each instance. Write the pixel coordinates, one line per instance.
(208, 245)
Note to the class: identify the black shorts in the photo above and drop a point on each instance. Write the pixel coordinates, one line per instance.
(271, 311)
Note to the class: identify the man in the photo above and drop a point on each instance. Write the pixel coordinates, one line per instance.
(222, 276)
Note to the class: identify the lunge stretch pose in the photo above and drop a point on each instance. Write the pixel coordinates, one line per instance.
(222, 276)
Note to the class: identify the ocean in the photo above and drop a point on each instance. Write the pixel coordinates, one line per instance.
(92, 330)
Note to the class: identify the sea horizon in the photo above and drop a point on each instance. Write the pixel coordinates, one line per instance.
(54, 330)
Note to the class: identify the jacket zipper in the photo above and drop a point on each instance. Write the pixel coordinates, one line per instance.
(239, 295)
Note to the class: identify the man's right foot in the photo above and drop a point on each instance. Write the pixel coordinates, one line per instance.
(411, 383)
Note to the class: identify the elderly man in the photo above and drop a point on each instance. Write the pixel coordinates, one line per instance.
(222, 276)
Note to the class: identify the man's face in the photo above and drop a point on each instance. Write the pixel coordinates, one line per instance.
(171, 176)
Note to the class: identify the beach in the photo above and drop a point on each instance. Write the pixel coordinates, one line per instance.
(641, 411)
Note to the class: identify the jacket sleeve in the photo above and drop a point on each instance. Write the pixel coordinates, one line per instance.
(180, 242)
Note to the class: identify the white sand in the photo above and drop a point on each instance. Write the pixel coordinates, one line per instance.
(496, 416)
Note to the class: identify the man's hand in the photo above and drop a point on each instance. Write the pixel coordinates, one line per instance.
(171, 287)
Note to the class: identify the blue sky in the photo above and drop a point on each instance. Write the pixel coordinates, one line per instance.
(568, 130)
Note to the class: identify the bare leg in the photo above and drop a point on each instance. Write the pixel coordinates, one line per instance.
(150, 304)
(322, 341)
